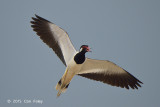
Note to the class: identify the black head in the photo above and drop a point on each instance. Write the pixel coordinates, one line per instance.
(85, 48)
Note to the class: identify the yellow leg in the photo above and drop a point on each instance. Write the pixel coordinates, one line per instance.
(62, 85)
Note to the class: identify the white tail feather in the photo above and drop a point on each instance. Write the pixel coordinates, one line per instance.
(60, 89)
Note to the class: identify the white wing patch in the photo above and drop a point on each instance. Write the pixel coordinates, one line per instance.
(108, 72)
(100, 66)
(64, 42)
(55, 37)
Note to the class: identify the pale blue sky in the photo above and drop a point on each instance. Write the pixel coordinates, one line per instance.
(126, 32)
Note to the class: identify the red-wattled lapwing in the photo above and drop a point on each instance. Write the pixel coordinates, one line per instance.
(75, 61)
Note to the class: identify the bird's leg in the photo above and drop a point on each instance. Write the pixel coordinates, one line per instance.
(63, 83)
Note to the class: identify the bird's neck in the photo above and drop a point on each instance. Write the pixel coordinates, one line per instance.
(79, 58)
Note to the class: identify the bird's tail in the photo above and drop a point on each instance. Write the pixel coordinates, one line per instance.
(61, 88)
(64, 82)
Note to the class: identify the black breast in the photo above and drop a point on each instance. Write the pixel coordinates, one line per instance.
(79, 58)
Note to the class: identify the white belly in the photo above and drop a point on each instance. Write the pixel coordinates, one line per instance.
(73, 67)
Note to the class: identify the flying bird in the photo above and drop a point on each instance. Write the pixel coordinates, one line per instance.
(75, 61)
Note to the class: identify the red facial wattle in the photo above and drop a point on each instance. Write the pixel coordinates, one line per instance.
(87, 48)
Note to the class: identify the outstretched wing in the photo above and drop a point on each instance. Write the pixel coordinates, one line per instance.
(55, 37)
(108, 72)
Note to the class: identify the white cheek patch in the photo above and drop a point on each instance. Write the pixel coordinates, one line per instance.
(81, 49)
